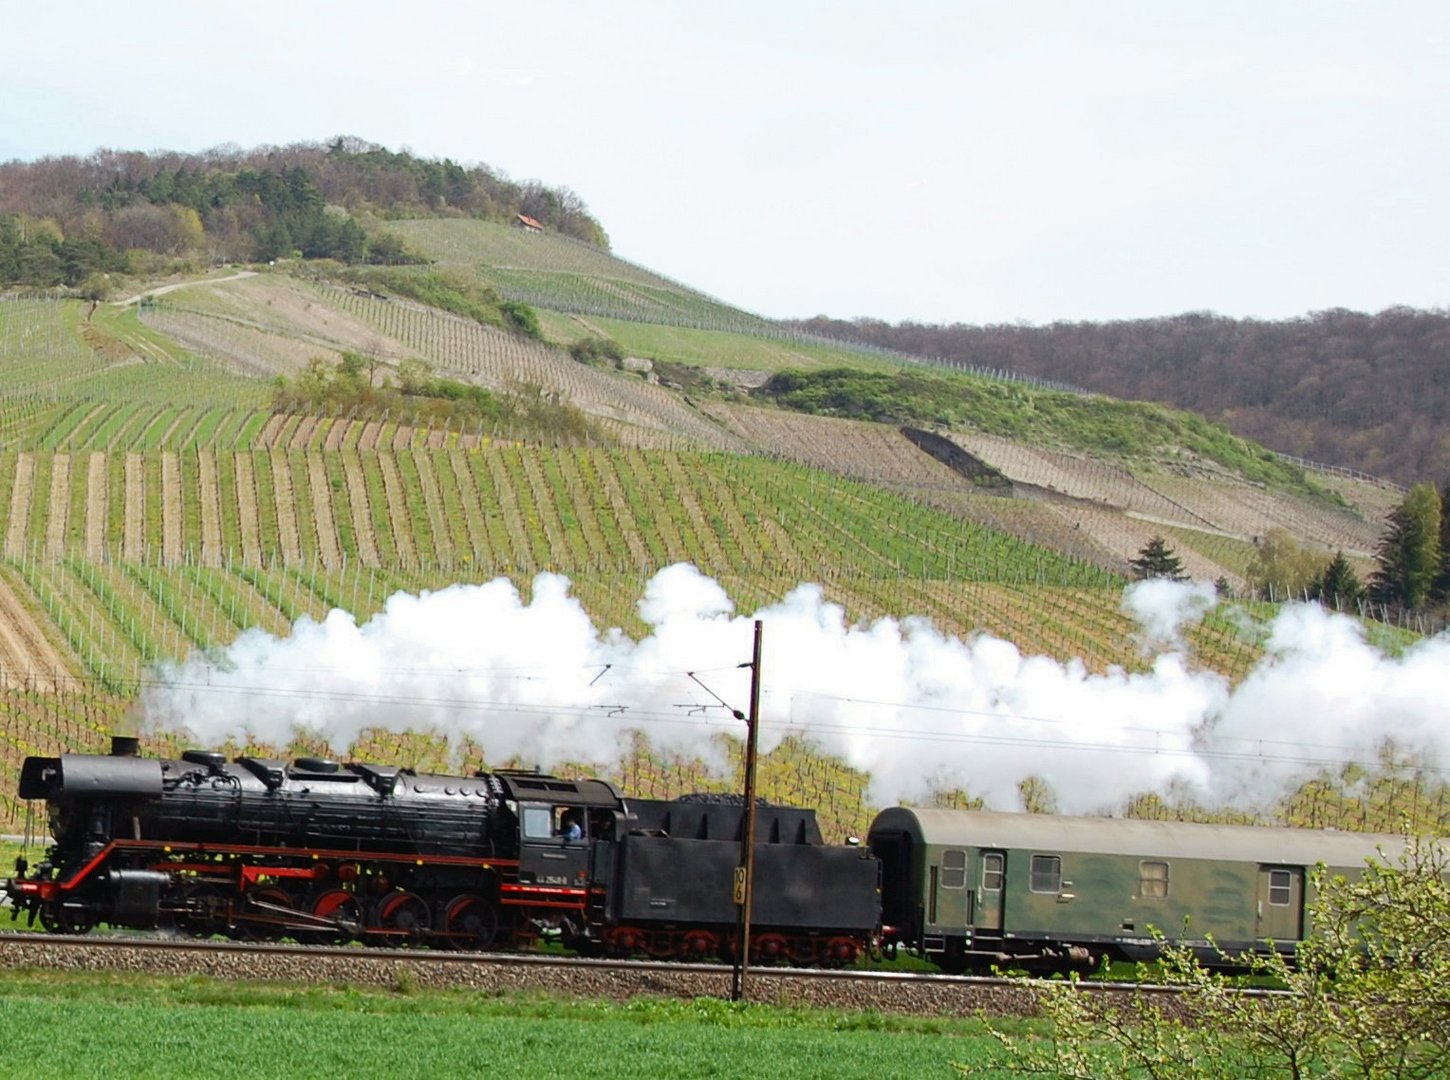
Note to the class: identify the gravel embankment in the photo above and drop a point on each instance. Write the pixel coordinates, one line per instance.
(937, 997)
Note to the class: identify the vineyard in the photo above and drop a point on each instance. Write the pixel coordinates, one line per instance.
(165, 553)
(498, 509)
(559, 274)
(261, 327)
(1099, 511)
(156, 505)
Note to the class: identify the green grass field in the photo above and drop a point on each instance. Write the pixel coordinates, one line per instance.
(75, 1025)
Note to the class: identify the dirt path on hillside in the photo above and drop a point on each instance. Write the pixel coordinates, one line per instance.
(27, 657)
(248, 521)
(328, 547)
(58, 512)
(360, 508)
(211, 508)
(134, 530)
(171, 530)
(20, 504)
(98, 499)
(162, 290)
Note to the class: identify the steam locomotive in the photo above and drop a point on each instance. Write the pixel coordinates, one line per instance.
(325, 852)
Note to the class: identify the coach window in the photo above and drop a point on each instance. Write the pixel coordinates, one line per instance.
(538, 823)
(1152, 880)
(1046, 873)
(1281, 887)
(992, 872)
(953, 869)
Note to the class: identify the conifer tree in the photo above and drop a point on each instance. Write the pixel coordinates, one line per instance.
(1339, 586)
(1409, 552)
(1440, 591)
(1156, 560)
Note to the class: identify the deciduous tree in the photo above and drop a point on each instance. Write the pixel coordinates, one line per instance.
(1282, 568)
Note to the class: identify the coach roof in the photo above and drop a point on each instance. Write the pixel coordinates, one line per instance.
(1146, 839)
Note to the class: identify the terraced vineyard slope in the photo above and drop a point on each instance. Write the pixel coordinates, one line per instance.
(157, 504)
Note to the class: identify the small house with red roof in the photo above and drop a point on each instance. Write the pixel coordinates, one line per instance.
(528, 224)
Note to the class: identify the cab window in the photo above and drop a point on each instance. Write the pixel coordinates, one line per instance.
(1046, 873)
(538, 823)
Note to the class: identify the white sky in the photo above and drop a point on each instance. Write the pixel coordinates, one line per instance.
(945, 162)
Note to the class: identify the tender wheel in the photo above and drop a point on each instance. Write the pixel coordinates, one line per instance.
(403, 918)
(624, 940)
(470, 922)
(768, 949)
(340, 908)
(699, 945)
(841, 952)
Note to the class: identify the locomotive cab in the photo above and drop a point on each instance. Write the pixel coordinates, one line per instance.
(565, 832)
(553, 845)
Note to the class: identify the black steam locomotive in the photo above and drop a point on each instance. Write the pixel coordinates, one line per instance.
(325, 852)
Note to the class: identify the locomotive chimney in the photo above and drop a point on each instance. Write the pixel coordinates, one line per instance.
(125, 746)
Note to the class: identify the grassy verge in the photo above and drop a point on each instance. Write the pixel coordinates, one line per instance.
(142, 1026)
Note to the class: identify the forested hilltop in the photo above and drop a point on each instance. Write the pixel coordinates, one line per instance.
(1370, 392)
(69, 220)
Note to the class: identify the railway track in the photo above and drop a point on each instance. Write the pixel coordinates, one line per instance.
(898, 992)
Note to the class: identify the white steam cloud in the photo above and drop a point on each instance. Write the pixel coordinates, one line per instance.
(917, 709)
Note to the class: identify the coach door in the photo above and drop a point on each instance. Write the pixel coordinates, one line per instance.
(989, 891)
(1281, 903)
(950, 900)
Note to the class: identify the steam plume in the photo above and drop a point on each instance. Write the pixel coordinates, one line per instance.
(918, 709)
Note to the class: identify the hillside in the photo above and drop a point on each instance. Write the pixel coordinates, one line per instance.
(1367, 392)
(159, 504)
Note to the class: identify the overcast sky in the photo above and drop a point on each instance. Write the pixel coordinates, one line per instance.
(943, 162)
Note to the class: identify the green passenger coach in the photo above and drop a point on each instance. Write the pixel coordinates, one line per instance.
(968, 890)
